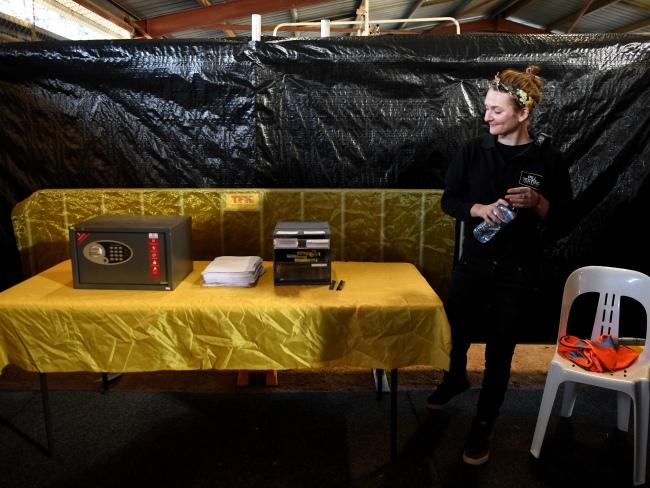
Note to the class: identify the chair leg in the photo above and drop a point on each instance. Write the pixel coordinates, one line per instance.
(623, 404)
(553, 380)
(568, 399)
(641, 412)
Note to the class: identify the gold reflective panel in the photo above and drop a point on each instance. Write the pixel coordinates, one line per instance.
(366, 224)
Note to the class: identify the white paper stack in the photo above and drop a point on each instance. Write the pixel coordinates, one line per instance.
(240, 271)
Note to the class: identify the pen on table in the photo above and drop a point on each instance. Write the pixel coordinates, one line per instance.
(341, 284)
(332, 283)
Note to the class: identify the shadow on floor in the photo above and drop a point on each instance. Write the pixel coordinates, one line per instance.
(336, 439)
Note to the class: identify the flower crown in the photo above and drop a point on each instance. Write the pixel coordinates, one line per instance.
(520, 97)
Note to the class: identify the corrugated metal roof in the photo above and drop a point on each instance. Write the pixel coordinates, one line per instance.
(540, 13)
(609, 18)
(152, 8)
(552, 11)
(329, 10)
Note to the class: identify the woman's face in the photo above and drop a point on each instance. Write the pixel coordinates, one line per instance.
(501, 115)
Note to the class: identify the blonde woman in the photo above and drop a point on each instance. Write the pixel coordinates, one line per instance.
(492, 283)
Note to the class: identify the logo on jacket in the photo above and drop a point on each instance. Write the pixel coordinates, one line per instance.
(531, 179)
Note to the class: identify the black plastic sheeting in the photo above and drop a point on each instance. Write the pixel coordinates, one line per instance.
(372, 112)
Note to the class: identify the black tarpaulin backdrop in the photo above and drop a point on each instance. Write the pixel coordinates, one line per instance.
(373, 112)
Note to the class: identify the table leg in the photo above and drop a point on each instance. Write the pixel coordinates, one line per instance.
(393, 414)
(379, 381)
(45, 396)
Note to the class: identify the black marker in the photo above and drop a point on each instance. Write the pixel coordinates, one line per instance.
(332, 283)
(340, 287)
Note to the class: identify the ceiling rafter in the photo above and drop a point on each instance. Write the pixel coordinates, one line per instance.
(218, 13)
(495, 24)
(124, 23)
(411, 11)
(207, 3)
(579, 16)
(509, 7)
(567, 19)
(359, 13)
(456, 12)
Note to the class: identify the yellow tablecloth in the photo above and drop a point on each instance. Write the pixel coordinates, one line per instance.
(387, 316)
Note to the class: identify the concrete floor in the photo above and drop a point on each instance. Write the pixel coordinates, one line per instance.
(317, 428)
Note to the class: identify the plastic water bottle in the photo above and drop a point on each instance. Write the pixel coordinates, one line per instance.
(484, 231)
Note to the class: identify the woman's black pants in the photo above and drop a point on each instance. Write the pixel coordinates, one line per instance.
(487, 302)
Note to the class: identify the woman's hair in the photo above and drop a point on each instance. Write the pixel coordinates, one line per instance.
(525, 88)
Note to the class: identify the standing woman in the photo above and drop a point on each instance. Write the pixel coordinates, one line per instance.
(490, 295)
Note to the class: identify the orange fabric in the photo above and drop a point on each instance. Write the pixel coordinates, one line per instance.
(599, 355)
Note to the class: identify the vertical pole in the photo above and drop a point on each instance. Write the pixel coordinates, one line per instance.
(256, 27)
(379, 381)
(393, 414)
(366, 20)
(324, 27)
(47, 413)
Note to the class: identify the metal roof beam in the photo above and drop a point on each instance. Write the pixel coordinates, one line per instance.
(206, 16)
(569, 19)
(9, 38)
(93, 7)
(508, 7)
(455, 12)
(478, 6)
(579, 16)
(495, 24)
(412, 9)
(359, 13)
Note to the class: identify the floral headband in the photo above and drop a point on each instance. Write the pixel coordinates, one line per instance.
(520, 97)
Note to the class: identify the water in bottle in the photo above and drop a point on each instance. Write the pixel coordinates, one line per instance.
(484, 231)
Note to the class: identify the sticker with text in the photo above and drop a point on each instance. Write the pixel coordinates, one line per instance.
(249, 200)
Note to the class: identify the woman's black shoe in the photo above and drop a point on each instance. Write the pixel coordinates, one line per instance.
(477, 447)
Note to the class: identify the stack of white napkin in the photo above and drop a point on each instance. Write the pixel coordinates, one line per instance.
(240, 271)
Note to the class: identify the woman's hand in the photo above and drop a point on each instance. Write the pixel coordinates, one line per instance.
(522, 197)
(490, 213)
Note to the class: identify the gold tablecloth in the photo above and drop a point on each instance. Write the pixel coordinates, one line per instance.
(386, 316)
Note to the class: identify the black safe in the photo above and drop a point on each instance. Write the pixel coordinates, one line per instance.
(140, 252)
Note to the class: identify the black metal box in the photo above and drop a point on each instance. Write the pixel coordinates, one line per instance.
(301, 253)
(142, 252)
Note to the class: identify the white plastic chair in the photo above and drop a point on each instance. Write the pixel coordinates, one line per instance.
(632, 384)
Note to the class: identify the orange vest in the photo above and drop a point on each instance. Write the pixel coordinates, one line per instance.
(599, 355)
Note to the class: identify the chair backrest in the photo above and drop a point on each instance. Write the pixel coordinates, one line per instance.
(611, 284)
